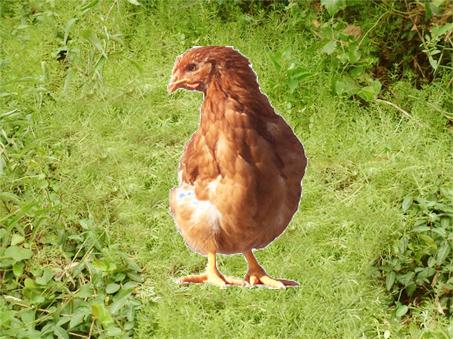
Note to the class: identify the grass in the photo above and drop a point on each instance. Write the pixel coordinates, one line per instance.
(102, 129)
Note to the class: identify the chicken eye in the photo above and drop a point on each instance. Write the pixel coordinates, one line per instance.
(191, 67)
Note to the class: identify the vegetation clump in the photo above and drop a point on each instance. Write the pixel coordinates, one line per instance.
(410, 39)
(60, 274)
(419, 265)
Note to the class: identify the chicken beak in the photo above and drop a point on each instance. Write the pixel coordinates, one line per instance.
(175, 84)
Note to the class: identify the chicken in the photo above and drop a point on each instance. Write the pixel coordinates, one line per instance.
(240, 174)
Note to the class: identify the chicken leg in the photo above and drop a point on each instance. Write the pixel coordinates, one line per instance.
(256, 275)
(212, 275)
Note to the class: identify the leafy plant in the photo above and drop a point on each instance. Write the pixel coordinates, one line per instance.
(433, 46)
(414, 41)
(342, 43)
(349, 53)
(59, 275)
(419, 265)
(410, 37)
(334, 6)
(291, 73)
(87, 287)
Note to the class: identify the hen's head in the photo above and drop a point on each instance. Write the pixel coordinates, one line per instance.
(198, 67)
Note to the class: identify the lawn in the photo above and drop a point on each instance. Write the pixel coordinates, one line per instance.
(92, 141)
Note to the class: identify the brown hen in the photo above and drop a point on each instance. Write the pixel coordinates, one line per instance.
(240, 174)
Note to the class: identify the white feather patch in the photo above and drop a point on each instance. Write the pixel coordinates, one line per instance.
(202, 210)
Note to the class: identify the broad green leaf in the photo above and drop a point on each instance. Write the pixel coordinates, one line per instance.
(440, 231)
(113, 331)
(101, 314)
(47, 331)
(443, 253)
(18, 253)
(119, 276)
(390, 280)
(105, 265)
(354, 55)
(434, 63)
(130, 285)
(135, 277)
(30, 283)
(406, 279)
(333, 6)
(17, 239)
(401, 310)
(85, 291)
(132, 265)
(112, 288)
(129, 325)
(60, 332)
(36, 297)
(18, 268)
(402, 244)
(63, 320)
(330, 47)
(346, 86)
(444, 222)
(421, 228)
(370, 92)
(428, 240)
(431, 262)
(118, 305)
(47, 275)
(424, 275)
(100, 265)
(76, 319)
(411, 289)
(28, 317)
(407, 202)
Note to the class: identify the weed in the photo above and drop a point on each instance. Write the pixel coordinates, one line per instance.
(420, 263)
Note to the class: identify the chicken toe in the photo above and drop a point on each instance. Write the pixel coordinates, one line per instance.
(257, 276)
(212, 276)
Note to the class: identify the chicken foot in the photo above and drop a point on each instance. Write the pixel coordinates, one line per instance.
(256, 275)
(212, 276)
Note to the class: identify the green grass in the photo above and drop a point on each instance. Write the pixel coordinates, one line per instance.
(108, 138)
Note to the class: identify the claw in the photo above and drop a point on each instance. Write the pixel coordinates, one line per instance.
(257, 276)
(212, 276)
(214, 279)
(256, 279)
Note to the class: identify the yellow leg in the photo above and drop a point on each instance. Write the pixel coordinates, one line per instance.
(256, 275)
(212, 275)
